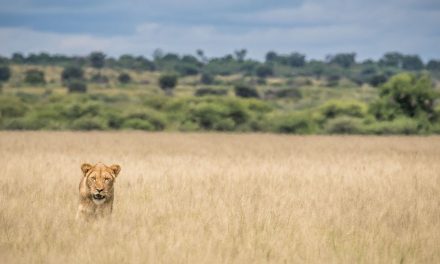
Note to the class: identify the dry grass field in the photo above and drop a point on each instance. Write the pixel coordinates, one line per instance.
(223, 198)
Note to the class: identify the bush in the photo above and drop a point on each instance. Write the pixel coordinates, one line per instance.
(99, 78)
(167, 82)
(77, 110)
(333, 80)
(210, 91)
(408, 95)
(401, 125)
(335, 108)
(97, 59)
(297, 123)
(29, 123)
(156, 120)
(207, 78)
(89, 123)
(264, 71)
(245, 91)
(34, 76)
(186, 69)
(344, 125)
(212, 116)
(124, 78)
(72, 73)
(377, 80)
(210, 113)
(5, 73)
(283, 93)
(138, 124)
(12, 107)
(77, 86)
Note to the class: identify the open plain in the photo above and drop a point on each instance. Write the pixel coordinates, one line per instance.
(223, 198)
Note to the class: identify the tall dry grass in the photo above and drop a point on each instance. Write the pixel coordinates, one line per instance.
(217, 198)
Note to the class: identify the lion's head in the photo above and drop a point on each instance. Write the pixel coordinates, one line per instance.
(99, 180)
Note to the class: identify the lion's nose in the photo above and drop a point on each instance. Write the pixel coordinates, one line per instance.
(100, 190)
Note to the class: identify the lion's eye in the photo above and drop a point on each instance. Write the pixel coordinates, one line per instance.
(93, 179)
(107, 179)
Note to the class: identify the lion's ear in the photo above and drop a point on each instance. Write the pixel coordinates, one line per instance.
(86, 168)
(116, 169)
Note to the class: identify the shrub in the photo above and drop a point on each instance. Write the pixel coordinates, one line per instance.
(207, 78)
(79, 109)
(138, 124)
(344, 125)
(167, 82)
(405, 94)
(245, 91)
(210, 91)
(77, 86)
(5, 73)
(12, 107)
(115, 119)
(186, 69)
(99, 78)
(156, 120)
(284, 93)
(297, 123)
(124, 78)
(97, 59)
(89, 123)
(34, 76)
(264, 71)
(72, 73)
(335, 108)
(210, 113)
(17, 124)
(401, 125)
(212, 116)
(377, 80)
(333, 80)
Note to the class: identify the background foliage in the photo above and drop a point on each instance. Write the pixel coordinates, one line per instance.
(286, 93)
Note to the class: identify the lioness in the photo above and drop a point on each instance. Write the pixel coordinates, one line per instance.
(96, 190)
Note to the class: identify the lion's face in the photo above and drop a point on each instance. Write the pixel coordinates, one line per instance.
(99, 180)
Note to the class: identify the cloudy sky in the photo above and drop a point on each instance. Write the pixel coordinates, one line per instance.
(315, 28)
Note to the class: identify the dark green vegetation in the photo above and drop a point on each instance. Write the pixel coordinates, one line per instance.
(397, 94)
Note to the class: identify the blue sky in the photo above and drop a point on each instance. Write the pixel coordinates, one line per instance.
(315, 28)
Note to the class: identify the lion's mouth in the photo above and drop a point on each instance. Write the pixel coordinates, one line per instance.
(98, 196)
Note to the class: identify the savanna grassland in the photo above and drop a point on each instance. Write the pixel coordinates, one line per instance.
(223, 198)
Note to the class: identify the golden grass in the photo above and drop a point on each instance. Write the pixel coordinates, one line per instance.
(218, 198)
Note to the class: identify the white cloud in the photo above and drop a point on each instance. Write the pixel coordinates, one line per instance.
(314, 41)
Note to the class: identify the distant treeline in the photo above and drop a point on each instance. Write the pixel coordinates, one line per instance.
(294, 64)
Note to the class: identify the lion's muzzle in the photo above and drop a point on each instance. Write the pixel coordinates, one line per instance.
(98, 196)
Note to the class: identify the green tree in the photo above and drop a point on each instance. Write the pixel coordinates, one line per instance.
(271, 56)
(97, 59)
(344, 60)
(392, 59)
(245, 91)
(34, 76)
(207, 78)
(72, 73)
(264, 71)
(408, 95)
(296, 59)
(18, 58)
(168, 82)
(433, 65)
(5, 73)
(412, 63)
(240, 55)
(124, 78)
(77, 86)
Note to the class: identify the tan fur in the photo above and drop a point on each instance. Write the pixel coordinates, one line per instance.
(96, 191)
